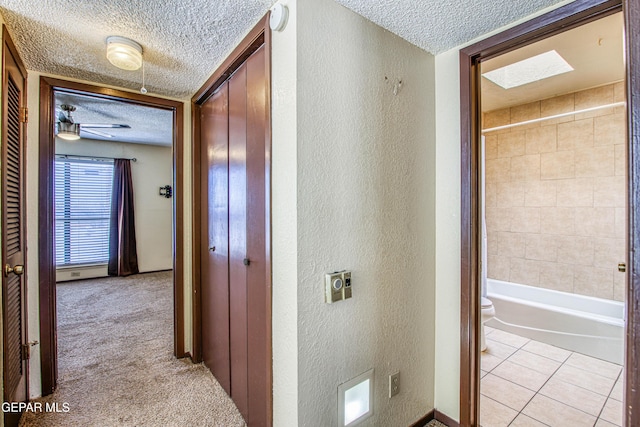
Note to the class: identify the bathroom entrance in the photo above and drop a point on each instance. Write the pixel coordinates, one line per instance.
(553, 212)
(547, 263)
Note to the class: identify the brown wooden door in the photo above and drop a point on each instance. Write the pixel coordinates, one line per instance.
(235, 277)
(13, 231)
(259, 270)
(238, 237)
(214, 134)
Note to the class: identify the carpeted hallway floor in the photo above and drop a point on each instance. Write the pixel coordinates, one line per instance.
(116, 366)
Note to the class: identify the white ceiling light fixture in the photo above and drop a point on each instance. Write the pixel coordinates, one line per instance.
(124, 53)
(529, 70)
(68, 131)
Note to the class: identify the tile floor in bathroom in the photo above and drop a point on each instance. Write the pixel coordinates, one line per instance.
(528, 383)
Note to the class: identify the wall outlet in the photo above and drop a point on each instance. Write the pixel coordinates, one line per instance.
(394, 384)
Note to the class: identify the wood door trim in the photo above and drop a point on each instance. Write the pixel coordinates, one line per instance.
(572, 15)
(46, 222)
(256, 38)
(259, 36)
(632, 376)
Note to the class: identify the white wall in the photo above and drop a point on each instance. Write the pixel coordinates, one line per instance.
(284, 219)
(364, 200)
(153, 213)
(447, 360)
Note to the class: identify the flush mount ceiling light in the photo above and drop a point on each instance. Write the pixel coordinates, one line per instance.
(68, 131)
(529, 70)
(124, 53)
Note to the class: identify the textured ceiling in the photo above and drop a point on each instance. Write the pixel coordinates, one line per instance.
(439, 25)
(184, 41)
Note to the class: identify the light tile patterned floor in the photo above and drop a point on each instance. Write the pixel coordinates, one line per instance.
(526, 383)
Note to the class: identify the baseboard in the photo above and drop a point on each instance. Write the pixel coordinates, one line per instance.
(424, 420)
(434, 414)
(445, 419)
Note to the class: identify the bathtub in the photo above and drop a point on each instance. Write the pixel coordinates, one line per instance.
(591, 326)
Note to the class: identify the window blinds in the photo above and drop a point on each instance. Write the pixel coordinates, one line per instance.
(82, 206)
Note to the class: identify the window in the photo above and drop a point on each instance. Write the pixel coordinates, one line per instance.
(82, 205)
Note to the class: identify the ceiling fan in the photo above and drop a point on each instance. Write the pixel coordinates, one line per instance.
(67, 128)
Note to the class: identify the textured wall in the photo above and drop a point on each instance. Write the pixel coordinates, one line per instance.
(365, 202)
(555, 194)
(153, 213)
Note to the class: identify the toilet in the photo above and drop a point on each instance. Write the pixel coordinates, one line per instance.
(488, 312)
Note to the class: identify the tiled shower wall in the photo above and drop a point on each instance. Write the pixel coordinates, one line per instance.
(555, 194)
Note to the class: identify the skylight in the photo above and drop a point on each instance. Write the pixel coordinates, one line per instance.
(529, 70)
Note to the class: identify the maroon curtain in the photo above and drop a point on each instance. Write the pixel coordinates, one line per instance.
(123, 257)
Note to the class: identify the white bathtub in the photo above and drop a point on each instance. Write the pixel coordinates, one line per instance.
(587, 325)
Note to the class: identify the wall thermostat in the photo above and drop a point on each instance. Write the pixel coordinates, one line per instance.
(337, 286)
(278, 18)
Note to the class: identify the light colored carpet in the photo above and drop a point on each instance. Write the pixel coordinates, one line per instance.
(435, 423)
(116, 366)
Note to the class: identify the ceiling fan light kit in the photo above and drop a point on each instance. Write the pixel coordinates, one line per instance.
(67, 128)
(68, 131)
(124, 53)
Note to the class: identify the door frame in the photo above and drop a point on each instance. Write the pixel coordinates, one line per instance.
(46, 215)
(557, 21)
(259, 36)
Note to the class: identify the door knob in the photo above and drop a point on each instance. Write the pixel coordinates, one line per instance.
(17, 270)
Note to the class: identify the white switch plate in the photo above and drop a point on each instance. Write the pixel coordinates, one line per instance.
(394, 384)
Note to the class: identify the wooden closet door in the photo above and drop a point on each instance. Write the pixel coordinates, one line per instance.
(258, 271)
(235, 278)
(214, 157)
(238, 237)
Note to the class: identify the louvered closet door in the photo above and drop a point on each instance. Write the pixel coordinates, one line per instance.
(13, 233)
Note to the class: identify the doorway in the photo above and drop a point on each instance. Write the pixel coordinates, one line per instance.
(555, 22)
(553, 181)
(47, 270)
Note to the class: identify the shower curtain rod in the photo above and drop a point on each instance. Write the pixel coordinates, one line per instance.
(74, 156)
(556, 116)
